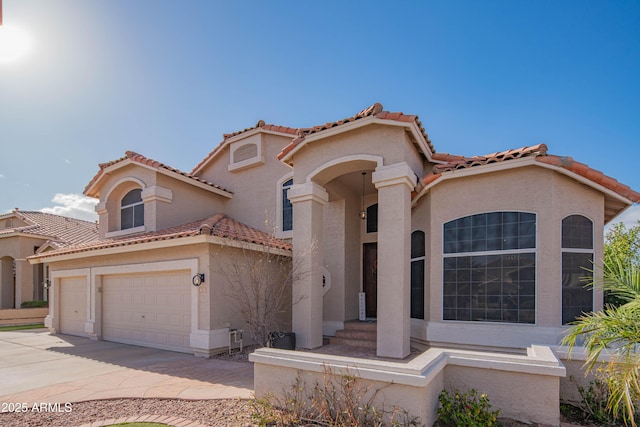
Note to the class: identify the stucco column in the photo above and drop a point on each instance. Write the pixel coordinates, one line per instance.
(394, 183)
(24, 282)
(307, 200)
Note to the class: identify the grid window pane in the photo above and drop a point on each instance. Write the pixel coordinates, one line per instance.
(496, 287)
(577, 232)
(577, 298)
(132, 210)
(494, 231)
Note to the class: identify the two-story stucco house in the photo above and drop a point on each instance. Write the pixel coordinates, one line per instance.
(467, 252)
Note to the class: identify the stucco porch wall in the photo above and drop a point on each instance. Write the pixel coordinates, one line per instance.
(523, 387)
(23, 316)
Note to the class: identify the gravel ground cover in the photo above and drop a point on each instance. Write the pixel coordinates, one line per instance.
(223, 412)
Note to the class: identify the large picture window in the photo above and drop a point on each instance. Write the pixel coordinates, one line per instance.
(417, 274)
(489, 268)
(132, 210)
(577, 266)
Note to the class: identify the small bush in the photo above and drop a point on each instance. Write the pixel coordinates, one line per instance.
(466, 409)
(593, 406)
(34, 304)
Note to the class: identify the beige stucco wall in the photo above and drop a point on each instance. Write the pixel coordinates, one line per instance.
(276, 383)
(189, 203)
(552, 197)
(255, 187)
(524, 387)
(222, 262)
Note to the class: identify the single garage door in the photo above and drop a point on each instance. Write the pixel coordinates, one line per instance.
(150, 309)
(73, 305)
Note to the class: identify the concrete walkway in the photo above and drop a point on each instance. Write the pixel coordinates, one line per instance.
(38, 367)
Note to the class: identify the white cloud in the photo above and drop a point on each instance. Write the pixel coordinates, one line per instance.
(74, 206)
(1, 176)
(629, 217)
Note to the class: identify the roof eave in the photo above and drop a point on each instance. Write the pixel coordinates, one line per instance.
(91, 192)
(159, 244)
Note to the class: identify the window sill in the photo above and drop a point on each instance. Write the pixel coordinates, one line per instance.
(125, 232)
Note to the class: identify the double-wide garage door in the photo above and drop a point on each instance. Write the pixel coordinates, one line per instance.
(148, 309)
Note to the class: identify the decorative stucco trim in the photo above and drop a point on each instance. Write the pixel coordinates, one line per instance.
(398, 173)
(157, 193)
(378, 160)
(309, 191)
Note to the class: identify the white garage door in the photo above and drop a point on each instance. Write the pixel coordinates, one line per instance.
(73, 305)
(150, 309)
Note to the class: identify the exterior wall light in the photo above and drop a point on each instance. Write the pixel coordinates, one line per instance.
(198, 279)
(46, 283)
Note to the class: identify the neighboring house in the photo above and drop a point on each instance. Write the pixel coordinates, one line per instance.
(25, 233)
(483, 252)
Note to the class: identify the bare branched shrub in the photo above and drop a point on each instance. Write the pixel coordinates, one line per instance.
(338, 400)
(260, 281)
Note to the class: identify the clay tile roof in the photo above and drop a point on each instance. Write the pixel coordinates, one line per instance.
(261, 124)
(375, 110)
(218, 225)
(139, 158)
(591, 174)
(60, 230)
(460, 162)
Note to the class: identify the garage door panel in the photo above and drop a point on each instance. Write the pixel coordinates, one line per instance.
(148, 309)
(73, 305)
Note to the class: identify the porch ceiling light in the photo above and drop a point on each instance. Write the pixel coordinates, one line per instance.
(363, 213)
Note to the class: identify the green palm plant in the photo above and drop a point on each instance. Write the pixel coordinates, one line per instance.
(615, 331)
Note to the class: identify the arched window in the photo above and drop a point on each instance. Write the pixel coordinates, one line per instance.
(132, 210)
(287, 207)
(417, 274)
(489, 268)
(577, 266)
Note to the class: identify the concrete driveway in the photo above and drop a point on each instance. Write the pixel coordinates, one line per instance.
(38, 367)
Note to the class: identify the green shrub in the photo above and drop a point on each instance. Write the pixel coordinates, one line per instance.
(466, 409)
(34, 304)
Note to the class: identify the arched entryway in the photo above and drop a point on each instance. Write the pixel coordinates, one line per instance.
(327, 205)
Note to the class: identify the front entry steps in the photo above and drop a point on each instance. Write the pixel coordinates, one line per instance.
(357, 334)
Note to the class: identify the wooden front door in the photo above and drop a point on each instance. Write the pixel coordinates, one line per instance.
(370, 277)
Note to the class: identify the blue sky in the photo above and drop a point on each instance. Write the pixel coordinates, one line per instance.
(168, 78)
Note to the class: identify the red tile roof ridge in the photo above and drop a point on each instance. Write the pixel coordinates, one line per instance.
(219, 225)
(265, 126)
(591, 174)
(139, 158)
(375, 110)
(461, 162)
